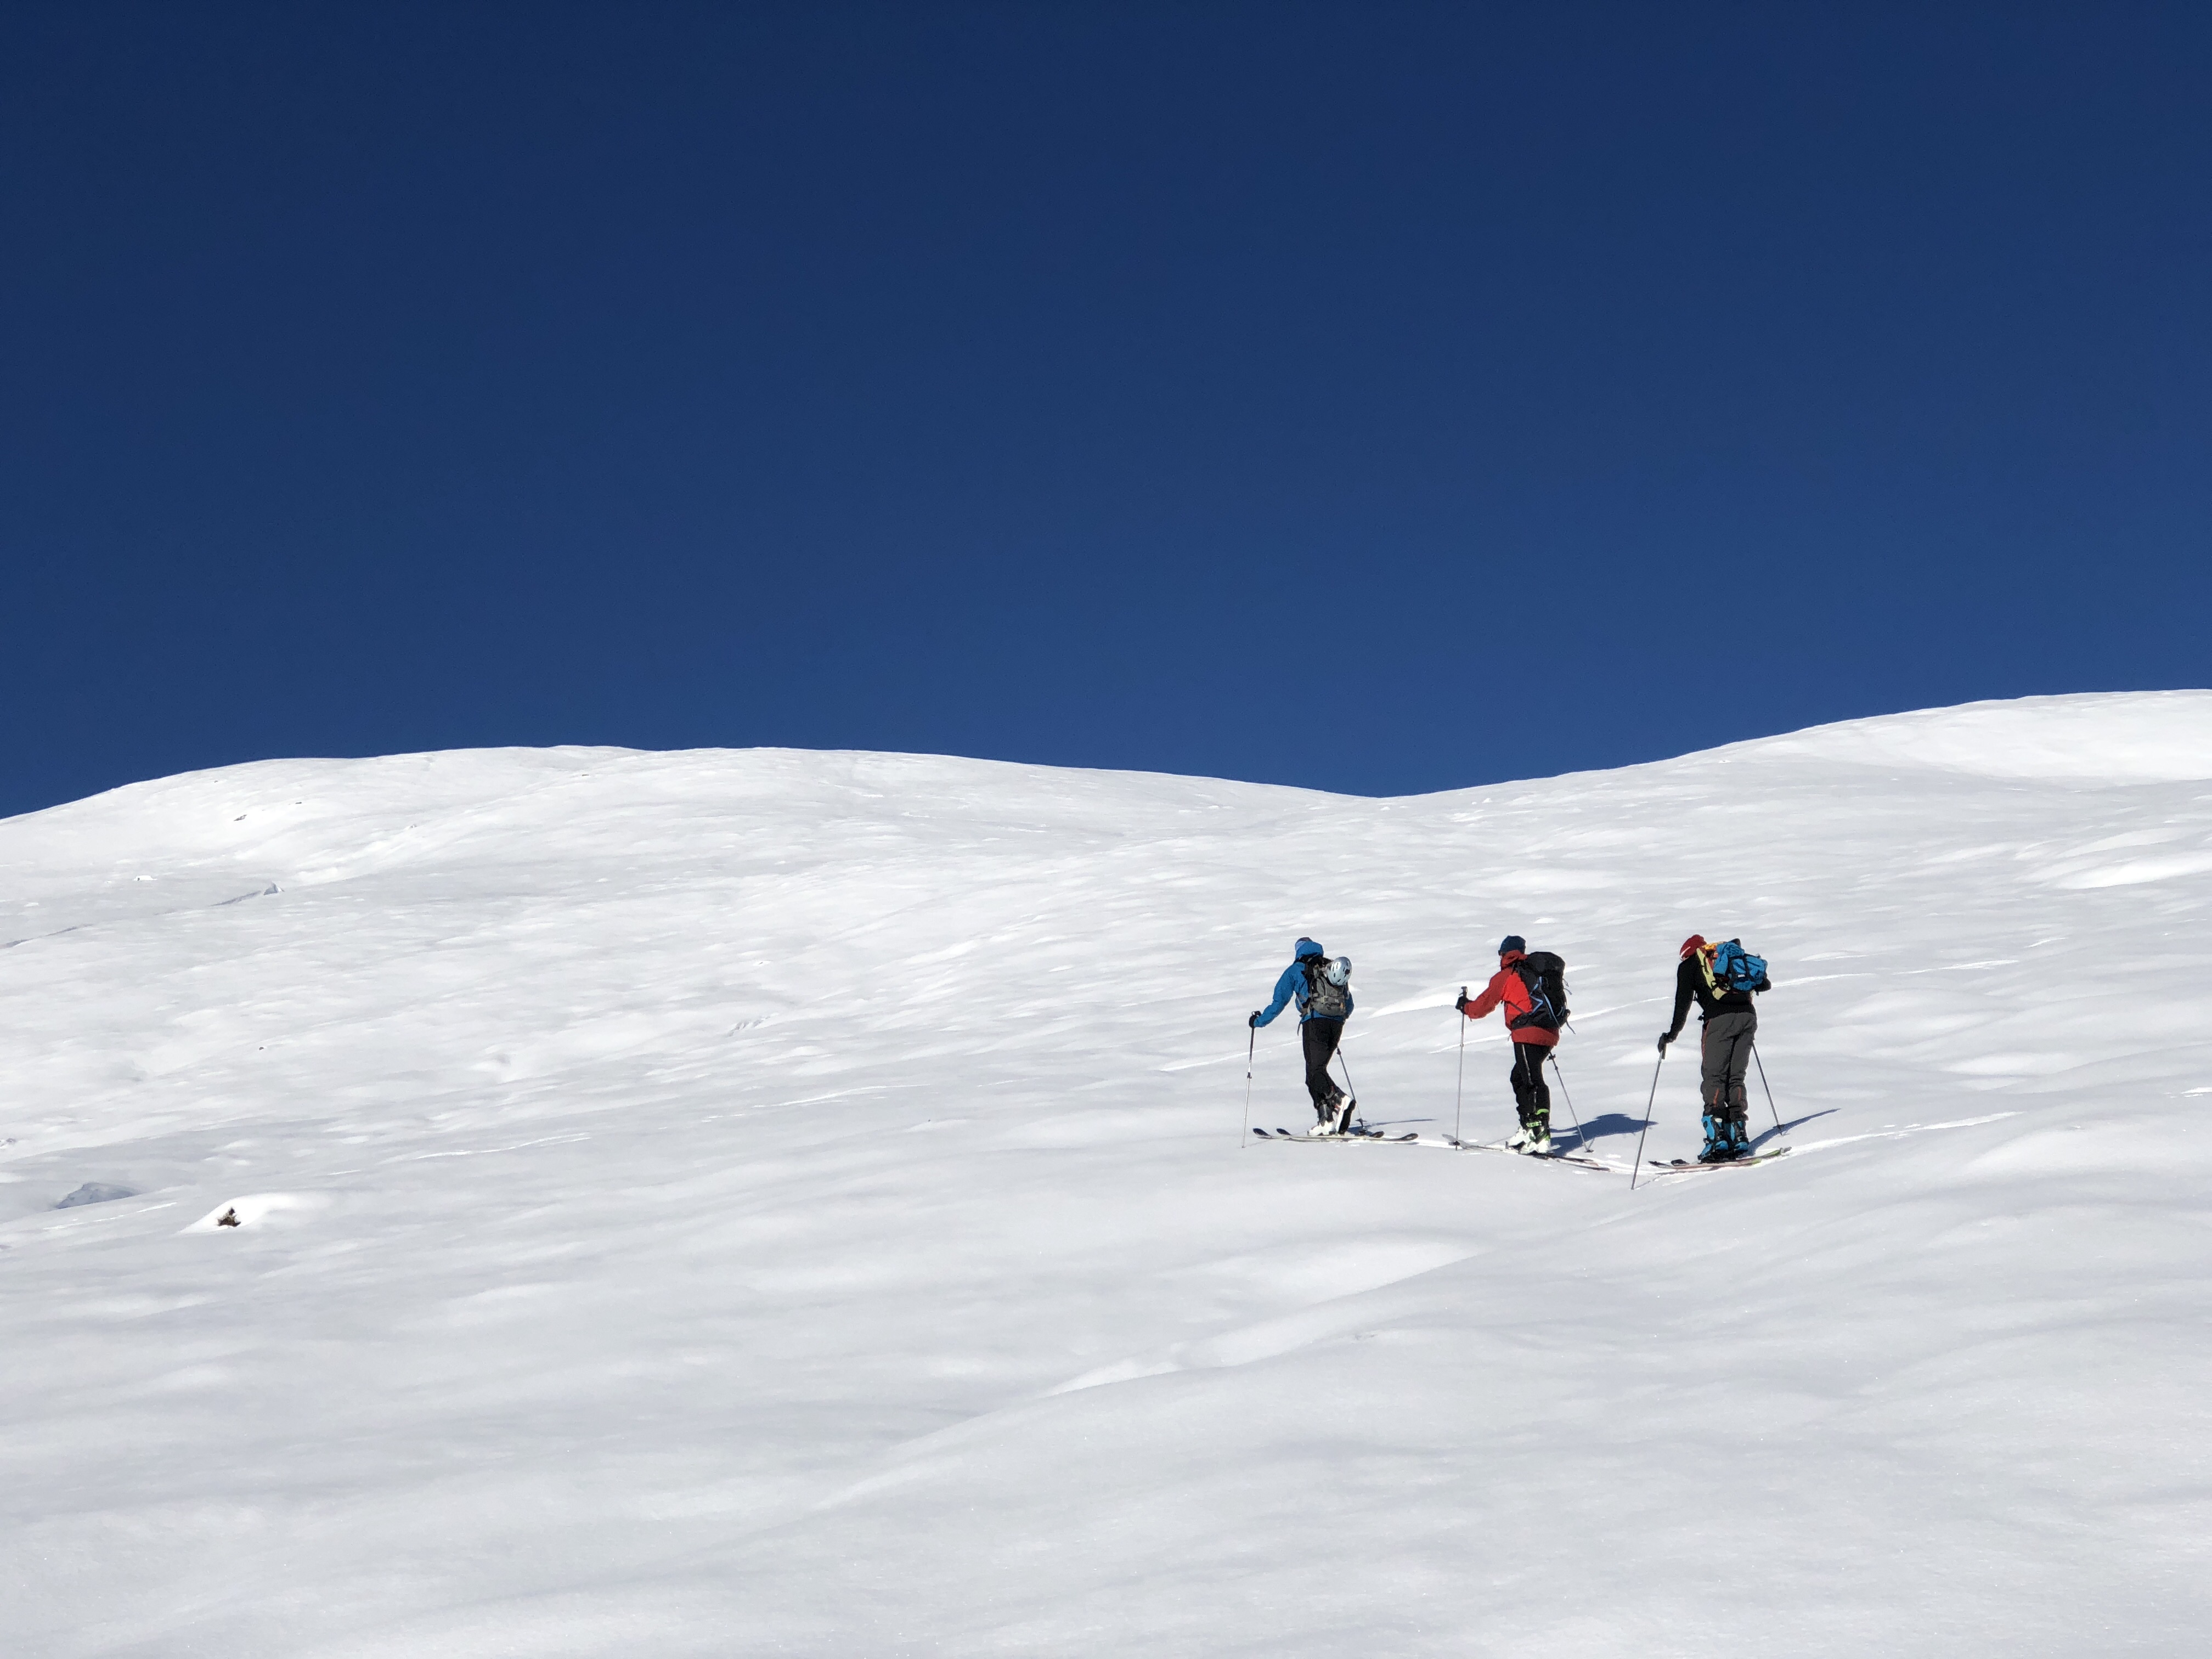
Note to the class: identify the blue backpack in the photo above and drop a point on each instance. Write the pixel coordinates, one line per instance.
(1735, 968)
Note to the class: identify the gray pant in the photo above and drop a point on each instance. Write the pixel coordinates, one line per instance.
(1725, 1054)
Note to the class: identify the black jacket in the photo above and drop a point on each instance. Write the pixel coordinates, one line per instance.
(1690, 981)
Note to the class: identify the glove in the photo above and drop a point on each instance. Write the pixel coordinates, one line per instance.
(1254, 1021)
(1461, 1003)
(1665, 1037)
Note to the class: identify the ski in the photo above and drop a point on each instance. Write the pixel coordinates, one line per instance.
(1580, 1160)
(1575, 1160)
(1687, 1166)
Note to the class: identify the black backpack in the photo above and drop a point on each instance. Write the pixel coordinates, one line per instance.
(1545, 977)
(1323, 999)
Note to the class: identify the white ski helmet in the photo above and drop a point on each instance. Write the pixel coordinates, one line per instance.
(1337, 971)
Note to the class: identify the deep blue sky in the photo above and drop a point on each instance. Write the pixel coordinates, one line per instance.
(1380, 398)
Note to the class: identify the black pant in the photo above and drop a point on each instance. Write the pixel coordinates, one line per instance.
(1320, 1037)
(1532, 1098)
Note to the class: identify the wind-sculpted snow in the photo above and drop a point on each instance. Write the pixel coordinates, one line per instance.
(784, 1203)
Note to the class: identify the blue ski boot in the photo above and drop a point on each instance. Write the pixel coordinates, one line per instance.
(1739, 1134)
(1716, 1141)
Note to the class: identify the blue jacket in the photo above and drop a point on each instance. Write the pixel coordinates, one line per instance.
(1292, 986)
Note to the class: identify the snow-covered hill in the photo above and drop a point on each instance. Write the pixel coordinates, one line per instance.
(783, 1203)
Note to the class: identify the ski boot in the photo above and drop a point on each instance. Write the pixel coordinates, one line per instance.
(1717, 1139)
(1539, 1131)
(1341, 1124)
(1520, 1139)
(1739, 1134)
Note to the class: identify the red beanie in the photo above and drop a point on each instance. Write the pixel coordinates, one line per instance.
(1695, 941)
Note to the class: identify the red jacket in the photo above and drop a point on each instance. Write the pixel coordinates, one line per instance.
(1506, 988)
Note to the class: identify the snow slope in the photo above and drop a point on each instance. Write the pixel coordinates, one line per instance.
(736, 1203)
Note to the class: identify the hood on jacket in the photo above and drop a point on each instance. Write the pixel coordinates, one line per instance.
(1306, 948)
(1507, 958)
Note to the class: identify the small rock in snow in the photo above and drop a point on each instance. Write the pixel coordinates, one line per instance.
(96, 1192)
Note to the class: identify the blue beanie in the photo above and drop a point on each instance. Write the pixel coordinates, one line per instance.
(1511, 942)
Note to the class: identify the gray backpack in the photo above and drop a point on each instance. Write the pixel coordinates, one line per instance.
(1325, 998)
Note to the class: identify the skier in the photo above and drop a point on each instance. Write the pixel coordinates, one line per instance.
(1730, 1022)
(1322, 990)
(1533, 1026)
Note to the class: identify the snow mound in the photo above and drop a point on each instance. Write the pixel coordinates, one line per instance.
(770, 1202)
(256, 1208)
(2142, 737)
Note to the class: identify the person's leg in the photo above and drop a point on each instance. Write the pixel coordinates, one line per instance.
(1521, 1101)
(1713, 1053)
(1317, 1052)
(1318, 1037)
(1739, 1094)
(1532, 1101)
(1339, 1093)
(1529, 1061)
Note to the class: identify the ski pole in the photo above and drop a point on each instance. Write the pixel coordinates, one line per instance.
(1251, 1043)
(1348, 1088)
(1762, 1083)
(1582, 1142)
(1458, 1087)
(1646, 1129)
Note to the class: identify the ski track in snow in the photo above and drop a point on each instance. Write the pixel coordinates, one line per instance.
(784, 1203)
